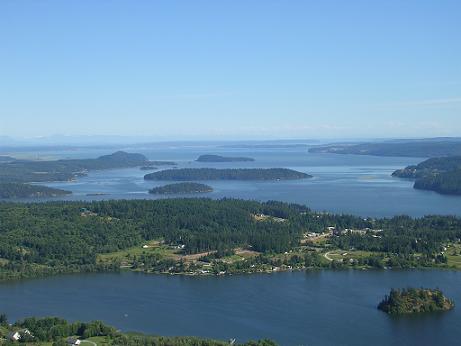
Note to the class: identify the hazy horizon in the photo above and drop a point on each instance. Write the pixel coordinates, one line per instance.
(75, 140)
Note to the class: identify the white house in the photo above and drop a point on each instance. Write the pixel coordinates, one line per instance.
(14, 336)
(73, 341)
(17, 335)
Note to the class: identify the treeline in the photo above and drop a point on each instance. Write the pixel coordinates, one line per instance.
(19, 190)
(185, 174)
(203, 224)
(36, 331)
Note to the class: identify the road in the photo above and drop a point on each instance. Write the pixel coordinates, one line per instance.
(326, 255)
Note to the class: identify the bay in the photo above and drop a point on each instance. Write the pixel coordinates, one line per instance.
(352, 184)
(293, 308)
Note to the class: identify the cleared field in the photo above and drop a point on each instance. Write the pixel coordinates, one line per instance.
(454, 261)
(349, 254)
(156, 247)
(453, 254)
(98, 340)
(150, 247)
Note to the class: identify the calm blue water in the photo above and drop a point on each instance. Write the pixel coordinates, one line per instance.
(360, 185)
(299, 308)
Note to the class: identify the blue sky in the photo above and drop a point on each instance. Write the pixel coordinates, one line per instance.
(230, 69)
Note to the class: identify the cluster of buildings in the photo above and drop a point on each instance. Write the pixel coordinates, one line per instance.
(337, 232)
(334, 231)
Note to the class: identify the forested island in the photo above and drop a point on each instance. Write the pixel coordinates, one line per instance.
(23, 171)
(185, 174)
(20, 190)
(442, 175)
(434, 147)
(213, 237)
(54, 331)
(415, 300)
(181, 188)
(218, 158)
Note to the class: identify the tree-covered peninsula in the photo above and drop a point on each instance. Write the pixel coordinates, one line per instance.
(181, 188)
(205, 236)
(219, 158)
(54, 331)
(415, 300)
(19, 190)
(187, 174)
(442, 175)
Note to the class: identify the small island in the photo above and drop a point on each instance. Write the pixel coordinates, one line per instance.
(187, 174)
(19, 190)
(218, 158)
(415, 300)
(181, 188)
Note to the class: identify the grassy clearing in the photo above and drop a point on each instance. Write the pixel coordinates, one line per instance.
(244, 253)
(453, 255)
(154, 247)
(454, 261)
(98, 340)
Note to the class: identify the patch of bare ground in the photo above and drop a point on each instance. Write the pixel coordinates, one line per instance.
(195, 256)
(246, 252)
